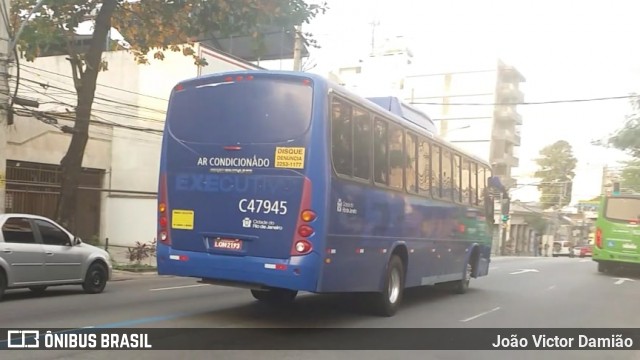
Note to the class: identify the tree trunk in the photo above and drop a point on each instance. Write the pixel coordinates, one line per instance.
(85, 88)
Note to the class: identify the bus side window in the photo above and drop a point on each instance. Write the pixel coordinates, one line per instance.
(396, 157)
(341, 137)
(411, 167)
(424, 167)
(446, 175)
(456, 179)
(436, 183)
(482, 180)
(380, 153)
(473, 189)
(466, 183)
(361, 144)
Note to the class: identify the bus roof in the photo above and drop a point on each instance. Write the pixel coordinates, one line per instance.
(335, 87)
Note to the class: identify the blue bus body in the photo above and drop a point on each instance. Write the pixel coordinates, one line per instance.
(256, 190)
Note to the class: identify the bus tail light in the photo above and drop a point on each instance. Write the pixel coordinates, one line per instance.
(163, 218)
(599, 238)
(303, 229)
(303, 246)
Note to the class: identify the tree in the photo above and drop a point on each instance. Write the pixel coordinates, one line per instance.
(627, 138)
(557, 165)
(150, 27)
(630, 176)
(537, 222)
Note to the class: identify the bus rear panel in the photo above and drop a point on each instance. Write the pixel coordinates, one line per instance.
(235, 196)
(617, 238)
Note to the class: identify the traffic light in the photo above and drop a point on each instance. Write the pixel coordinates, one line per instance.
(505, 206)
(505, 218)
(616, 188)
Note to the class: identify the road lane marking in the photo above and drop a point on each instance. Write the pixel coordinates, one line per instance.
(522, 271)
(585, 260)
(178, 287)
(551, 287)
(481, 314)
(622, 280)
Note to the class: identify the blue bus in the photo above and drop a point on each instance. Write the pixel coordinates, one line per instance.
(281, 182)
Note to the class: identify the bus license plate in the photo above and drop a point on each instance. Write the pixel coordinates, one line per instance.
(229, 244)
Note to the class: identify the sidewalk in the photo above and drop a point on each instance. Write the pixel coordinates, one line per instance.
(120, 257)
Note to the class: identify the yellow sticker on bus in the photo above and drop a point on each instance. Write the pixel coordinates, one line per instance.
(289, 157)
(182, 219)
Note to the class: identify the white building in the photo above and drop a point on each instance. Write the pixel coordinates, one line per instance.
(468, 104)
(121, 161)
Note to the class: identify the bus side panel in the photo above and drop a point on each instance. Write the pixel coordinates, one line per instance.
(366, 224)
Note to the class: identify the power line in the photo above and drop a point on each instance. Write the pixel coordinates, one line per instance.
(102, 85)
(530, 102)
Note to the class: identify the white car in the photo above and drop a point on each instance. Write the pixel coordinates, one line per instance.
(36, 252)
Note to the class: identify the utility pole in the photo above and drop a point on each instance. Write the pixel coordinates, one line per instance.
(373, 24)
(5, 98)
(297, 49)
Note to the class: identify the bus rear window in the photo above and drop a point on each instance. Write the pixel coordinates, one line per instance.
(623, 209)
(255, 111)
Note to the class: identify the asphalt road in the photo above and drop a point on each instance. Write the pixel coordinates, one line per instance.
(518, 293)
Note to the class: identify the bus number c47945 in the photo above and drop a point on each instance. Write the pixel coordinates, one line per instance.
(263, 206)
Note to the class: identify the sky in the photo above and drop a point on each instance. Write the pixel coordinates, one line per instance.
(565, 49)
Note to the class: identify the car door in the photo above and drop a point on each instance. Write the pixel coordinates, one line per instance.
(22, 252)
(63, 261)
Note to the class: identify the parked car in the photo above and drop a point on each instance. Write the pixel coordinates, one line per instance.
(36, 252)
(561, 248)
(586, 250)
(581, 251)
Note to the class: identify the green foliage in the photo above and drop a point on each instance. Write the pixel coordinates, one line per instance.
(630, 177)
(152, 27)
(556, 171)
(142, 251)
(537, 222)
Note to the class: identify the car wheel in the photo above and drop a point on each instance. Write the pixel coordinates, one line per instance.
(95, 279)
(3, 283)
(38, 290)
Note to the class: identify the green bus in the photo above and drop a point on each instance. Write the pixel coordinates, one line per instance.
(617, 238)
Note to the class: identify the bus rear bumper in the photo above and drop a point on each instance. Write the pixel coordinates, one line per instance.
(296, 273)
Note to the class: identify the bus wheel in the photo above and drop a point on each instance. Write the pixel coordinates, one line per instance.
(603, 268)
(461, 286)
(275, 296)
(388, 302)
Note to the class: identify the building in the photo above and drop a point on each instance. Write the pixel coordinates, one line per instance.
(476, 109)
(117, 195)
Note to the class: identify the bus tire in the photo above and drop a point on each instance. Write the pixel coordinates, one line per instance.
(603, 268)
(388, 301)
(461, 286)
(275, 296)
